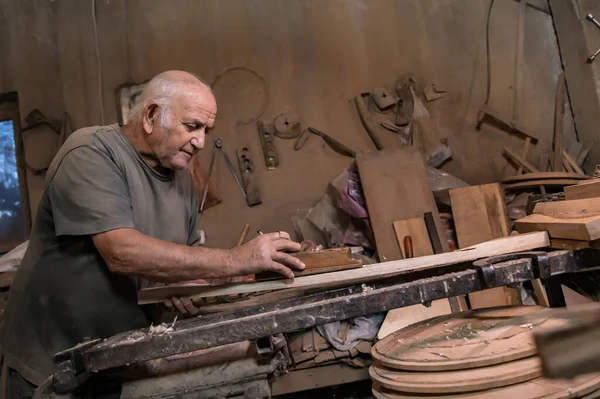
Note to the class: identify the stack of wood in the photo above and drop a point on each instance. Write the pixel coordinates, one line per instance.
(571, 224)
(475, 354)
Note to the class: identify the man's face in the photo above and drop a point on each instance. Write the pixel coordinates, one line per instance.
(189, 118)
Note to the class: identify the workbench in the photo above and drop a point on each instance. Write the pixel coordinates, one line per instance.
(125, 351)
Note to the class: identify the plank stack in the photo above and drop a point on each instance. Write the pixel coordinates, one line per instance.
(476, 354)
(571, 224)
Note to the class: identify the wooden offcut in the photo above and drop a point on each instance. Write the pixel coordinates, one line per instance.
(520, 161)
(544, 176)
(587, 189)
(416, 229)
(522, 242)
(396, 187)
(584, 228)
(480, 214)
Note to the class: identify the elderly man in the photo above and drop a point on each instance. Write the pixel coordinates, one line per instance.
(118, 205)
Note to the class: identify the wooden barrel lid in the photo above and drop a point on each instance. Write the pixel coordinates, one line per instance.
(539, 388)
(460, 341)
(445, 382)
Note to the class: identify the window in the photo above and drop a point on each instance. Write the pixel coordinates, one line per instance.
(15, 219)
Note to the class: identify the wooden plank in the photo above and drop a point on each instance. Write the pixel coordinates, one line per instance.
(480, 214)
(392, 196)
(559, 117)
(581, 191)
(544, 176)
(264, 276)
(524, 153)
(545, 182)
(414, 227)
(580, 81)
(589, 207)
(521, 242)
(520, 161)
(572, 163)
(585, 228)
(573, 245)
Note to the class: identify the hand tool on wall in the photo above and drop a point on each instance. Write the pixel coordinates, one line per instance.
(248, 176)
(268, 145)
(591, 18)
(361, 108)
(333, 143)
(218, 146)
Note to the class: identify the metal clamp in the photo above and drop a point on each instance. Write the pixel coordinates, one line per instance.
(487, 272)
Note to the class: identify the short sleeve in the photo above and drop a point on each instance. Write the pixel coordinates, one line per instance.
(88, 194)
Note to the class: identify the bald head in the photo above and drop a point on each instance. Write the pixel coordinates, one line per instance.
(164, 88)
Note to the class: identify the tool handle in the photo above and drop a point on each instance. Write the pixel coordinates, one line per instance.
(333, 143)
(408, 247)
(362, 114)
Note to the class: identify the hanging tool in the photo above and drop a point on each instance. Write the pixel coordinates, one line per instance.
(218, 146)
(361, 108)
(591, 18)
(268, 145)
(333, 143)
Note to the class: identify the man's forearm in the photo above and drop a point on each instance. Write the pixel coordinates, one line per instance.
(129, 252)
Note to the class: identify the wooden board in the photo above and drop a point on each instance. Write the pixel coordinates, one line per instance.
(591, 189)
(522, 242)
(559, 125)
(573, 245)
(397, 319)
(520, 161)
(584, 228)
(544, 176)
(393, 195)
(543, 182)
(539, 388)
(480, 214)
(264, 276)
(444, 382)
(318, 377)
(459, 341)
(414, 227)
(579, 207)
(572, 163)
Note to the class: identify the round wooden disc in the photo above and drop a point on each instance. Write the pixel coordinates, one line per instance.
(287, 125)
(445, 382)
(539, 388)
(459, 341)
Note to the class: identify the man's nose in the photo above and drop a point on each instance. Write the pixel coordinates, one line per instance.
(198, 141)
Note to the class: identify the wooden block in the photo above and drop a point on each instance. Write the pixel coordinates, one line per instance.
(573, 245)
(585, 228)
(391, 195)
(397, 319)
(480, 214)
(590, 189)
(249, 177)
(414, 227)
(575, 208)
(574, 298)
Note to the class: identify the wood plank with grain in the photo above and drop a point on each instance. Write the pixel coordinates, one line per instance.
(521, 242)
(396, 187)
(480, 214)
(585, 228)
(590, 189)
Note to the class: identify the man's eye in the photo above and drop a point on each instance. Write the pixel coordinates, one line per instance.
(191, 127)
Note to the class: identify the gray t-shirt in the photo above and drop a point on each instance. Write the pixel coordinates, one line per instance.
(63, 292)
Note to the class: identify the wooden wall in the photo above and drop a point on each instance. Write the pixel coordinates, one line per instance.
(315, 55)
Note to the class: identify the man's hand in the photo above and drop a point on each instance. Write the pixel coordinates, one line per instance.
(266, 253)
(184, 305)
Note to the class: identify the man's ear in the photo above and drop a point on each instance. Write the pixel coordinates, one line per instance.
(149, 117)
